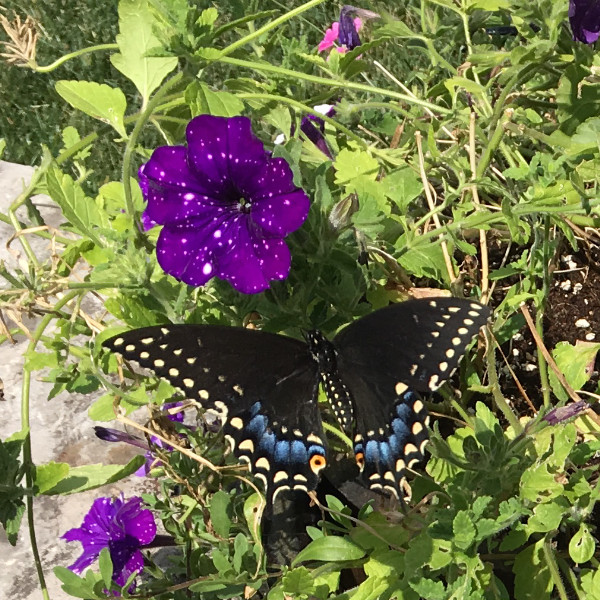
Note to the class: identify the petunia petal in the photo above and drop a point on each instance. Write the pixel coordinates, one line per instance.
(253, 263)
(280, 215)
(331, 35)
(126, 559)
(172, 192)
(224, 153)
(584, 17)
(186, 250)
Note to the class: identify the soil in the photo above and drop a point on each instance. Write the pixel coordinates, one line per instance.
(572, 315)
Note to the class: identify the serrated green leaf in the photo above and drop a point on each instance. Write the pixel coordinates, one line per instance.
(350, 164)
(136, 42)
(220, 511)
(427, 588)
(590, 583)
(538, 485)
(298, 582)
(89, 477)
(49, 475)
(77, 208)
(204, 101)
(425, 261)
(34, 361)
(582, 545)
(546, 517)
(463, 529)
(97, 100)
(576, 362)
(330, 548)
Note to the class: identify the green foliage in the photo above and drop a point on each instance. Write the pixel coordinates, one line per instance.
(444, 135)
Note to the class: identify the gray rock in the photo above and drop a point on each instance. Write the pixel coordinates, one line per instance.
(60, 428)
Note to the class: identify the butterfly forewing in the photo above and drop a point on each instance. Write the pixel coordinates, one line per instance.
(384, 360)
(262, 387)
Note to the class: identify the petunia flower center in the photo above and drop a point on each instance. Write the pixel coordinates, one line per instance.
(244, 205)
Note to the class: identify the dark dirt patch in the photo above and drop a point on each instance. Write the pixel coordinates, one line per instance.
(572, 314)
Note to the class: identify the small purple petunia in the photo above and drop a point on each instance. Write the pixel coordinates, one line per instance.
(563, 413)
(121, 526)
(108, 434)
(584, 16)
(226, 206)
(313, 127)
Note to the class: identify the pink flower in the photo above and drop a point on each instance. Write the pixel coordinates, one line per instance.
(332, 36)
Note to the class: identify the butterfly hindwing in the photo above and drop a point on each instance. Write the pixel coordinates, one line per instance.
(384, 360)
(261, 386)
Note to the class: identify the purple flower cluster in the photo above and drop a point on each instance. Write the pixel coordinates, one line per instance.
(121, 526)
(584, 16)
(225, 205)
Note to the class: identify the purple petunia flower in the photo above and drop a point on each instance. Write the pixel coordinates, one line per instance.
(314, 127)
(121, 526)
(584, 16)
(349, 31)
(114, 435)
(563, 413)
(226, 206)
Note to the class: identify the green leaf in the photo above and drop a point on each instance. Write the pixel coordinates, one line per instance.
(79, 587)
(97, 100)
(220, 511)
(350, 164)
(538, 485)
(298, 582)
(49, 475)
(533, 580)
(330, 548)
(77, 208)
(546, 517)
(582, 545)
(401, 187)
(590, 583)
(89, 477)
(240, 547)
(203, 101)
(463, 529)
(137, 42)
(106, 567)
(427, 588)
(253, 510)
(488, 5)
(103, 409)
(425, 261)
(576, 362)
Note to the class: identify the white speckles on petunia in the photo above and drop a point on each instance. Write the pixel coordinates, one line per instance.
(207, 269)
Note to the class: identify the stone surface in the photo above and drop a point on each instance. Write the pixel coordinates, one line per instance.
(60, 428)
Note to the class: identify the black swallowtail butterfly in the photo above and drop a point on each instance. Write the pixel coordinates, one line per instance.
(264, 387)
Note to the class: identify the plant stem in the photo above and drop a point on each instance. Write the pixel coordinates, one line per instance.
(26, 426)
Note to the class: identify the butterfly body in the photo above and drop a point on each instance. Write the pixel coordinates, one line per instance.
(264, 387)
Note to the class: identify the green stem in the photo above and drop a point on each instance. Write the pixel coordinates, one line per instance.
(25, 426)
(132, 142)
(553, 568)
(72, 55)
(499, 399)
(539, 316)
(268, 27)
(351, 85)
